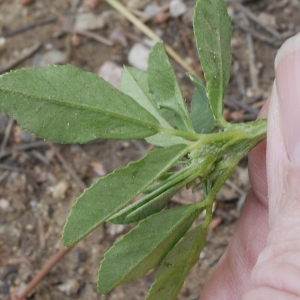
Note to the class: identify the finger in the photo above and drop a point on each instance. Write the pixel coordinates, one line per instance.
(264, 293)
(231, 276)
(278, 266)
(257, 163)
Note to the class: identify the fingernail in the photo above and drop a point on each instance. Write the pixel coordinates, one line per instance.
(287, 66)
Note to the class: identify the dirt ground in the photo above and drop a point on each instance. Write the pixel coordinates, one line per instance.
(37, 184)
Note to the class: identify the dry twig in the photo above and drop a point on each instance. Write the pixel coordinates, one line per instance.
(72, 19)
(94, 36)
(231, 184)
(24, 54)
(7, 134)
(30, 146)
(41, 232)
(19, 170)
(44, 271)
(28, 27)
(255, 19)
(146, 30)
(252, 67)
(3, 175)
(55, 259)
(69, 169)
(231, 101)
(257, 35)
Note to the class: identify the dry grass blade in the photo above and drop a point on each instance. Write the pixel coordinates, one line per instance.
(146, 30)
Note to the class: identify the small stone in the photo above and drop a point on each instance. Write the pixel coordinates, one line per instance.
(76, 40)
(230, 11)
(59, 190)
(26, 2)
(92, 4)
(114, 229)
(188, 17)
(118, 36)
(4, 204)
(161, 17)
(267, 19)
(89, 21)
(80, 254)
(151, 10)
(2, 42)
(159, 32)
(33, 203)
(99, 168)
(29, 227)
(70, 287)
(88, 292)
(111, 72)
(76, 149)
(52, 57)
(177, 8)
(138, 56)
(136, 4)
(202, 255)
(26, 137)
(243, 176)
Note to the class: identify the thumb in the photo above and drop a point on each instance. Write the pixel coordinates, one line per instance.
(277, 271)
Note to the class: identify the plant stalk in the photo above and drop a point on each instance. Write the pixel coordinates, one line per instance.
(44, 271)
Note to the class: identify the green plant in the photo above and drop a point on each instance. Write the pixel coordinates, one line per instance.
(65, 104)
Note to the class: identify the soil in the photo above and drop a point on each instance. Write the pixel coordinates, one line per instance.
(36, 189)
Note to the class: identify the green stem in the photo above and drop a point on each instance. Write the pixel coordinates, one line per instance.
(208, 202)
(222, 122)
(208, 217)
(256, 130)
(190, 136)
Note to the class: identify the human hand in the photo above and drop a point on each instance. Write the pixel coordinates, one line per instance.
(262, 260)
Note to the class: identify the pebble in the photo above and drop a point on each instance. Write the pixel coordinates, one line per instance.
(99, 168)
(177, 8)
(161, 17)
(111, 72)
(137, 4)
(227, 194)
(80, 254)
(138, 56)
(26, 2)
(243, 177)
(26, 137)
(118, 36)
(267, 19)
(33, 203)
(89, 292)
(52, 57)
(70, 287)
(22, 136)
(114, 229)
(59, 190)
(151, 10)
(76, 40)
(4, 204)
(89, 21)
(2, 42)
(92, 4)
(202, 255)
(188, 17)
(29, 227)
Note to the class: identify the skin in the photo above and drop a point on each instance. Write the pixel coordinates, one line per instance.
(262, 260)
